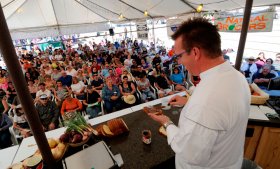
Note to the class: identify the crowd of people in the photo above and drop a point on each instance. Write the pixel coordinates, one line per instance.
(97, 79)
(261, 69)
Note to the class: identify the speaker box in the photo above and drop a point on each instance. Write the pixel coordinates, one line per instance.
(111, 30)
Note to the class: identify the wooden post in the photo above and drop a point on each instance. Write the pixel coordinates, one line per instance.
(243, 35)
(14, 68)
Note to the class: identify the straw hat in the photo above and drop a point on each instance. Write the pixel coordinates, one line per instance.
(250, 58)
(130, 99)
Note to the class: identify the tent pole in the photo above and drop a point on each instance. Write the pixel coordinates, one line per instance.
(130, 30)
(243, 35)
(11, 60)
(154, 38)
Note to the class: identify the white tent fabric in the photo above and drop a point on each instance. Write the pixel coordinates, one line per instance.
(40, 18)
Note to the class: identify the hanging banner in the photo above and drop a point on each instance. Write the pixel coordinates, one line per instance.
(172, 26)
(142, 30)
(259, 22)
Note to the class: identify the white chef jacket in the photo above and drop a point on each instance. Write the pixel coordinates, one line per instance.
(212, 125)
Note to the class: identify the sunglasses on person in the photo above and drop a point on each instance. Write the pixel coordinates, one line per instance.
(44, 99)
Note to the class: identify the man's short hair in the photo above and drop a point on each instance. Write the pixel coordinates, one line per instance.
(198, 32)
(42, 84)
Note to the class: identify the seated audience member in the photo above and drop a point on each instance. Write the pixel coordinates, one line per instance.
(48, 113)
(133, 67)
(5, 136)
(42, 90)
(95, 65)
(92, 102)
(49, 82)
(262, 79)
(276, 63)
(260, 60)
(56, 74)
(152, 77)
(163, 83)
(139, 71)
(41, 77)
(119, 69)
(156, 60)
(3, 82)
(11, 92)
(127, 88)
(97, 82)
(158, 69)
(59, 92)
(249, 67)
(32, 88)
(146, 66)
(81, 76)
(78, 88)
(70, 106)
(111, 96)
(71, 71)
(128, 61)
(4, 107)
(115, 79)
(86, 71)
(65, 79)
(105, 71)
(94, 71)
(269, 62)
(128, 75)
(21, 125)
(28, 76)
(48, 70)
(143, 85)
(178, 80)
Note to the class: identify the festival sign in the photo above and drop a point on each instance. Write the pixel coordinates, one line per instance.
(259, 22)
(142, 30)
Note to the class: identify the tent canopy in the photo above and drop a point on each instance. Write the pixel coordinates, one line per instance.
(40, 18)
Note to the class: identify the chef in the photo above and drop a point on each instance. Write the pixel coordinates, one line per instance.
(212, 124)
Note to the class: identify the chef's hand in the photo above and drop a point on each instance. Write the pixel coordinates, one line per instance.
(162, 119)
(178, 100)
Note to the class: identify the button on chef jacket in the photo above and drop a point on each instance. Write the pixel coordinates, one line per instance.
(212, 125)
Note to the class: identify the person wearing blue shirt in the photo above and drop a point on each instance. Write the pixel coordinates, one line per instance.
(65, 79)
(178, 79)
(112, 96)
(105, 71)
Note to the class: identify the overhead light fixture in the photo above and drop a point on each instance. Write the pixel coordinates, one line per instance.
(19, 10)
(199, 8)
(146, 13)
(121, 16)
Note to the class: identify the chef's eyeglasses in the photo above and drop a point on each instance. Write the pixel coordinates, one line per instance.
(180, 54)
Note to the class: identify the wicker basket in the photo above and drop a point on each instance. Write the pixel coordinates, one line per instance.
(258, 99)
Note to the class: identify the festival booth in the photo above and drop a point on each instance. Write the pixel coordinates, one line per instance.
(60, 17)
(261, 139)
